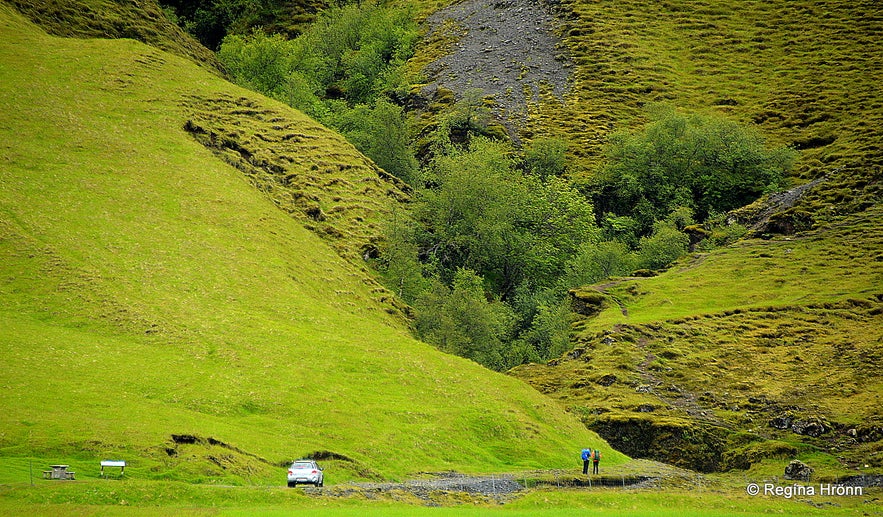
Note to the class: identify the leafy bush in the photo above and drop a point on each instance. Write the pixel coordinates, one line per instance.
(595, 262)
(471, 219)
(381, 132)
(515, 233)
(468, 117)
(210, 21)
(558, 222)
(259, 62)
(663, 247)
(706, 163)
(337, 72)
(462, 321)
(350, 53)
(352, 50)
(399, 263)
(483, 215)
(548, 335)
(545, 157)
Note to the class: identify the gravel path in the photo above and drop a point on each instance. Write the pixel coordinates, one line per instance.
(507, 48)
(497, 488)
(448, 488)
(484, 485)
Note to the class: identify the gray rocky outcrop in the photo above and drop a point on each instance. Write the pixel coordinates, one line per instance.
(798, 470)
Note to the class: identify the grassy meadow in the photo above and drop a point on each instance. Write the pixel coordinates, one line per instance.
(156, 307)
(182, 284)
(166, 498)
(834, 263)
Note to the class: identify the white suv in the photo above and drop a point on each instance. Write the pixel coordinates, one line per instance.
(307, 472)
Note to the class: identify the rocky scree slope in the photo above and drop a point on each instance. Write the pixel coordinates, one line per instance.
(508, 49)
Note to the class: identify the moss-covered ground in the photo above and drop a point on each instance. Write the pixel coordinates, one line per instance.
(156, 307)
(719, 347)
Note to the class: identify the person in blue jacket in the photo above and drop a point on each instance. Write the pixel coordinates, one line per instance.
(586, 456)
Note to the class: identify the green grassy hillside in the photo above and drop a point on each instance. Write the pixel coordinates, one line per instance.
(711, 364)
(158, 307)
(806, 74)
(713, 357)
(143, 21)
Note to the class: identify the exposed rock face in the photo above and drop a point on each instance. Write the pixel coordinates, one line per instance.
(676, 442)
(587, 302)
(812, 427)
(607, 380)
(798, 470)
(781, 422)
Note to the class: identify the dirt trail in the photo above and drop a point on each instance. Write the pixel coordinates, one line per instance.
(672, 395)
(507, 48)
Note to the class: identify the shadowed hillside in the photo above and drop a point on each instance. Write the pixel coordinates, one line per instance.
(143, 21)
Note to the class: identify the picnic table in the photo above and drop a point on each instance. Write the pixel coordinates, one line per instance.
(58, 472)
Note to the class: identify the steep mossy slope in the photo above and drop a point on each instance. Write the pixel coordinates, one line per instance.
(805, 73)
(767, 348)
(142, 20)
(158, 307)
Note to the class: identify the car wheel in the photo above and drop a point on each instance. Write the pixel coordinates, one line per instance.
(292, 484)
(320, 483)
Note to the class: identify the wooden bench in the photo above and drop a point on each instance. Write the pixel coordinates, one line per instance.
(113, 463)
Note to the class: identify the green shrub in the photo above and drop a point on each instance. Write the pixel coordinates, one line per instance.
(706, 163)
(259, 62)
(350, 50)
(595, 262)
(461, 320)
(350, 53)
(210, 21)
(380, 131)
(481, 214)
(662, 248)
(548, 335)
(545, 157)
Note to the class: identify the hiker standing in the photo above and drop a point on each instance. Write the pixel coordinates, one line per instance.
(586, 456)
(596, 458)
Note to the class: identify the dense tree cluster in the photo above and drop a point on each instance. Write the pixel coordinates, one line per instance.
(210, 20)
(496, 235)
(341, 71)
